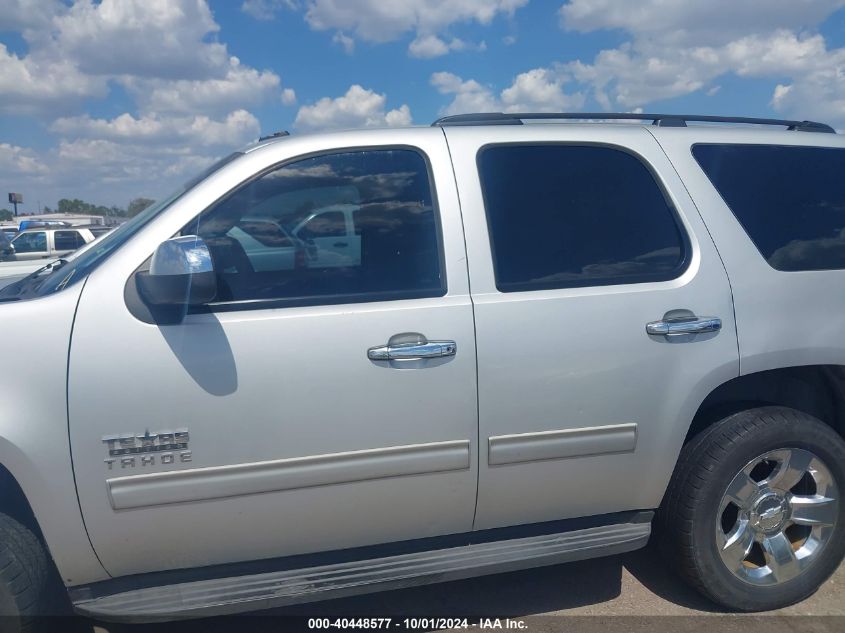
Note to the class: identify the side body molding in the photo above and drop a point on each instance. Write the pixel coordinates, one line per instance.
(529, 447)
(218, 482)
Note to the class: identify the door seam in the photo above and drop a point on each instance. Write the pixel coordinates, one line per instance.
(474, 332)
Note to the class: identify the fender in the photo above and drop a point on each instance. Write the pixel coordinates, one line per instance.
(34, 442)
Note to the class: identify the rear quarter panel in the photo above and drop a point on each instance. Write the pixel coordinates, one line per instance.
(783, 318)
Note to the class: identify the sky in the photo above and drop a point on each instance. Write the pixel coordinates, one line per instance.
(111, 100)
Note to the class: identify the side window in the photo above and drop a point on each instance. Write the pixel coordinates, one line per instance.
(283, 236)
(67, 240)
(31, 242)
(563, 216)
(789, 199)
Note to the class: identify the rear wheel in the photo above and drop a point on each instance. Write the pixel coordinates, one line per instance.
(754, 516)
(24, 578)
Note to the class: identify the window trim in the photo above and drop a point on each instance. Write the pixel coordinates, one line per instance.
(675, 273)
(328, 300)
(742, 226)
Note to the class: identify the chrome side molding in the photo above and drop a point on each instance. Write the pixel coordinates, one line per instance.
(266, 590)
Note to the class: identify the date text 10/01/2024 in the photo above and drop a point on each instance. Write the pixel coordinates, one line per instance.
(416, 623)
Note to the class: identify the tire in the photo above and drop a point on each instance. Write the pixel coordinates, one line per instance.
(25, 574)
(712, 511)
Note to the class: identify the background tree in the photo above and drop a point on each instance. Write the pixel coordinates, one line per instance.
(137, 205)
(77, 206)
(6, 215)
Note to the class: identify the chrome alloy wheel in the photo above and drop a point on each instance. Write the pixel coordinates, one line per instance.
(776, 516)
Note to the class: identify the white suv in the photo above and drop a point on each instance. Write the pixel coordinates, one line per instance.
(548, 334)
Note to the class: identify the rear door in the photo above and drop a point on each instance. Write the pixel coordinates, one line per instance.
(262, 426)
(578, 237)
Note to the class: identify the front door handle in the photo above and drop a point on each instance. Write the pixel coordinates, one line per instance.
(684, 325)
(412, 346)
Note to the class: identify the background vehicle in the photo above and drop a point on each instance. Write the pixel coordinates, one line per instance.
(50, 242)
(552, 332)
(268, 245)
(25, 257)
(5, 245)
(331, 234)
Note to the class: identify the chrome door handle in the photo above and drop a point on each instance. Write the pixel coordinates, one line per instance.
(685, 325)
(413, 351)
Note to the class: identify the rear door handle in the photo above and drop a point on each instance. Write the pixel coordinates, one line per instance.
(684, 325)
(418, 349)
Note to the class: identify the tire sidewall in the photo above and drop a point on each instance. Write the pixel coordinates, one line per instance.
(797, 430)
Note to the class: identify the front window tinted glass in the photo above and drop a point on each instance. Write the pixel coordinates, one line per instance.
(789, 199)
(35, 242)
(563, 216)
(345, 227)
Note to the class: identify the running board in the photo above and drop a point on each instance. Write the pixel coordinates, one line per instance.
(235, 594)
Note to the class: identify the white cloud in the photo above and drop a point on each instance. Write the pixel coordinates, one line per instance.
(159, 49)
(380, 21)
(538, 90)
(237, 128)
(677, 48)
(266, 9)
(359, 107)
(16, 161)
(288, 97)
(189, 95)
(38, 83)
(16, 15)
(110, 161)
(429, 46)
(470, 96)
(345, 41)
(541, 90)
(143, 38)
(240, 86)
(713, 22)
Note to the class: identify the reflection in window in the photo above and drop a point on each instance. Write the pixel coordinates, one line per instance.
(352, 226)
(789, 199)
(566, 216)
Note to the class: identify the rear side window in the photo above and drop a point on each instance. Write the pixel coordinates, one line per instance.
(564, 216)
(67, 240)
(789, 199)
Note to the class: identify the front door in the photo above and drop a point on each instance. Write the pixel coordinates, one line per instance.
(578, 237)
(261, 426)
(31, 245)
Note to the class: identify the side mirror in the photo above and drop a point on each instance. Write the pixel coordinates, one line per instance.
(181, 274)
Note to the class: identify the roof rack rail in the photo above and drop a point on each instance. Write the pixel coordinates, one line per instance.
(273, 135)
(663, 120)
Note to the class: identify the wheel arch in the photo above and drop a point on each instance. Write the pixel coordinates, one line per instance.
(818, 390)
(14, 502)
